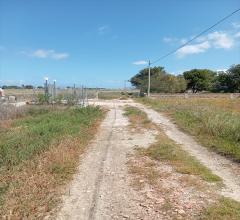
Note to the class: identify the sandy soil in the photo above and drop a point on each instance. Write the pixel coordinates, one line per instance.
(219, 165)
(101, 189)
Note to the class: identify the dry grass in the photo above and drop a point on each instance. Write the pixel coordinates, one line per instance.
(167, 189)
(24, 94)
(32, 188)
(10, 112)
(167, 150)
(223, 209)
(45, 174)
(144, 171)
(214, 122)
(138, 119)
(171, 173)
(107, 95)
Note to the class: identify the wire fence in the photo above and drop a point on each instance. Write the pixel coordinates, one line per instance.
(70, 95)
(75, 95)
(50, 94)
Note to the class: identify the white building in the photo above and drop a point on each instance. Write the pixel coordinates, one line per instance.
(2, 94)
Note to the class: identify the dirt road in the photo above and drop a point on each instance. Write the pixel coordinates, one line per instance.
(219, 165)
(101, 189)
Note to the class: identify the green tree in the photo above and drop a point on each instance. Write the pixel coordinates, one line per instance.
(28, 87)
(161, 81)
(228, 81)
(140, 80)
(234, 72)
(222, 82)
(199, 79)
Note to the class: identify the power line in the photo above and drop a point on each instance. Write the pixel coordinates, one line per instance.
(183, 45)
(194, 38)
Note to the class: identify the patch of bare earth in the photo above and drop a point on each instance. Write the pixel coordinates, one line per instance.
(170, 195)
(226, 169)
(115, 180)
(101, 188)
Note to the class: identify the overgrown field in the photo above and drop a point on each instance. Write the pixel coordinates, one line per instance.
(107, 95)
(38, 153)
(117, 94)
(138, 119)
(214, 122)
(167, 151)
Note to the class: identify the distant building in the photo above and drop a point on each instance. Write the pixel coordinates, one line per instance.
(2, 94)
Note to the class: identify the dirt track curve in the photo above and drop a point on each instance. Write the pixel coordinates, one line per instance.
(101, 188)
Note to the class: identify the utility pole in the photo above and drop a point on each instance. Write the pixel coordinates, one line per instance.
(74, 91)
(149, 78)
(97, 93)
(83, 98)
(54, 90)
(46, 89)
(86, 92)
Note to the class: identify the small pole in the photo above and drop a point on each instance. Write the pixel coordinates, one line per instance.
(86, 95)
(74, 90)
(54, 90)
(97, 93)
(149, 77)
(83, 101)
(46, 89)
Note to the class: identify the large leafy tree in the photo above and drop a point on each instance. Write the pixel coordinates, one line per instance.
(234, 73)
(199, 79)
(228, 81)
(222, 82)
(161, 81)
(140, 80)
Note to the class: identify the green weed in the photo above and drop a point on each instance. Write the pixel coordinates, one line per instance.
(223, 209)
(36, 132)
(166, 150)
(215, 123)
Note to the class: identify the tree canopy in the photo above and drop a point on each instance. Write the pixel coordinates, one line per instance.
(199, 79)
(196, 80)
(161, 81)
(228, 81)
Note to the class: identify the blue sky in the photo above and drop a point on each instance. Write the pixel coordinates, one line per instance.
(99, 43)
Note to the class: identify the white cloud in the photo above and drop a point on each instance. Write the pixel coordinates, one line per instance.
(217, 40)
(193, 49)
(183, 41)
(41, 53)
(60, 56)
(51, 54)
(221, 40)
(169, 39)
(236, 25)
(103, 29)
(140, 62)
(221, 70)
(237, 35)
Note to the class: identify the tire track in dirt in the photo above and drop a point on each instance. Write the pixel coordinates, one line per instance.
(101, 188)
(100, 172)
(228, 170)
(81, 201)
